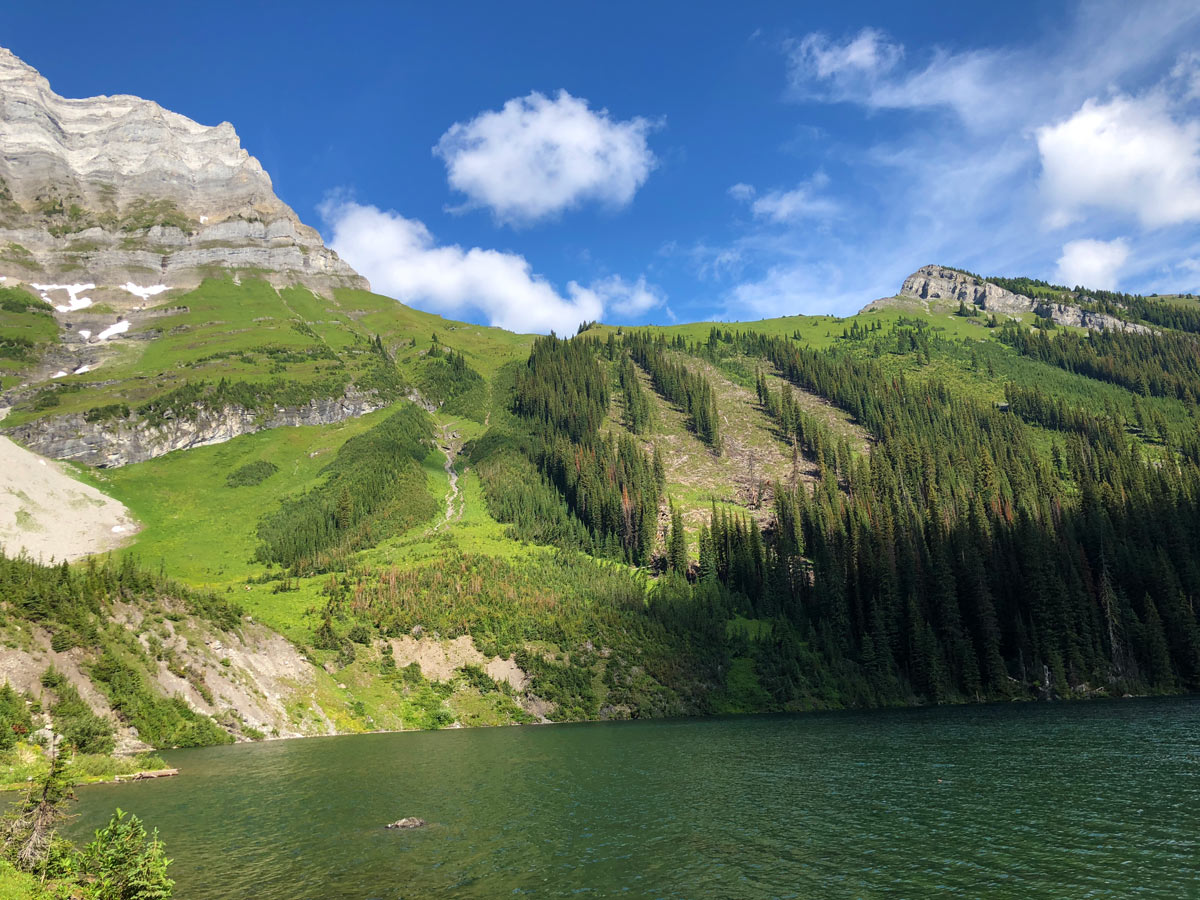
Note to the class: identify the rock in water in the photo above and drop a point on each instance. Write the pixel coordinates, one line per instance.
(408, 822)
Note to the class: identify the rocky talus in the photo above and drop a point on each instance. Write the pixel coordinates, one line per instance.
(115, 190)
(933, 283)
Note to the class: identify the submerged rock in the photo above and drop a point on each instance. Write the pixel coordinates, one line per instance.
(407, 822)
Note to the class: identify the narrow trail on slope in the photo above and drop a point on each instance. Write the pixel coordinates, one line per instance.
(450, 444)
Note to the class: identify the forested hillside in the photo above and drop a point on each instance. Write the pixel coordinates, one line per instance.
(910, 505)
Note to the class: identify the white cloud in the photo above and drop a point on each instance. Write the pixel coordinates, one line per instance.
(537, 157)
(1187, 74)
(953, 171)
(741, 191)
(802, 202)
(401, 259)
(806, 285)
(1127, 155)
(1094, 264)
(861, 59)
(627, 299)
(862, 70)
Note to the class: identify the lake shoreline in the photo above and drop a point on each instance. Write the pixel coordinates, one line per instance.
(122, 778)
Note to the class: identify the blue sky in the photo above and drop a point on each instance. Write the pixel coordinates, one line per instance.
(532, 165)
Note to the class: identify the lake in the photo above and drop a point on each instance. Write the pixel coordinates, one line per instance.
(1098, 799)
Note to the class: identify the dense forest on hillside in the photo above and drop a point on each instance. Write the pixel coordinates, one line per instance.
(957, 559)
(793, 514)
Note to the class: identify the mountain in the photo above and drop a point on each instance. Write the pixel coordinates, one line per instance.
(939, 285)
(117, 191)
(352, 515)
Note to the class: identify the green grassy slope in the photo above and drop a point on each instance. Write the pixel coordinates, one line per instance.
(286, 346)
(27, 327)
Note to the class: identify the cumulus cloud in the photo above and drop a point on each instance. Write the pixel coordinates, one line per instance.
(401, 259)
(796, 286)
(627, 299)
(1127, 155)
(539, 156)
(1094, 264)
(802, 202)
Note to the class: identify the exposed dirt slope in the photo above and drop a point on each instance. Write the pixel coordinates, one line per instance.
(47, 514)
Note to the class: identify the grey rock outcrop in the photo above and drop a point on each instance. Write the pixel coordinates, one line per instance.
(109, 444)
(933, 283)
(117, 189)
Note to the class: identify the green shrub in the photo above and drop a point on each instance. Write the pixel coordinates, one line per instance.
(475, 677)
(159, 721)
(124, 863)
(251, 474)
(15, 721)
(73, 718)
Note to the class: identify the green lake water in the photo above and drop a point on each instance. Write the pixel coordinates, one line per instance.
(1019, 801)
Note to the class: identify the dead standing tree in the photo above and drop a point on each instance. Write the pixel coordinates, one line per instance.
(27, 832)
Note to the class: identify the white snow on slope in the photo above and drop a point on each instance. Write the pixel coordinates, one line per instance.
(73, 291)
(113, 330)
(144, 292)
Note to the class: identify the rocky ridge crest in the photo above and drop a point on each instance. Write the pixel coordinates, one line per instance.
(933, 283)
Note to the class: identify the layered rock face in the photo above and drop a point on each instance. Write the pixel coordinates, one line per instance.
(114, 190)
(941, 283)
(109, 445)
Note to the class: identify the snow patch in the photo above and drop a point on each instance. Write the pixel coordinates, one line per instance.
(73, 291)
(113, 330)
(59, 374)
(81, 370)
(117, 529)
(84, 333)
(144, 292)
(204, 220)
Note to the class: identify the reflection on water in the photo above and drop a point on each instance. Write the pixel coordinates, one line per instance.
(1020, 801)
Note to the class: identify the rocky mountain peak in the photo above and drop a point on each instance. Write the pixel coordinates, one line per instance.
(117, 189)
(945, 286)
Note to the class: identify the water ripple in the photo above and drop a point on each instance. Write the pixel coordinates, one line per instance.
(1090, 800)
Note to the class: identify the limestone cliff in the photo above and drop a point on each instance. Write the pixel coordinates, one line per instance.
(117, 190)
(934, 283)
(111, 444)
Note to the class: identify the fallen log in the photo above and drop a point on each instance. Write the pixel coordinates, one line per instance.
(142, 776)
